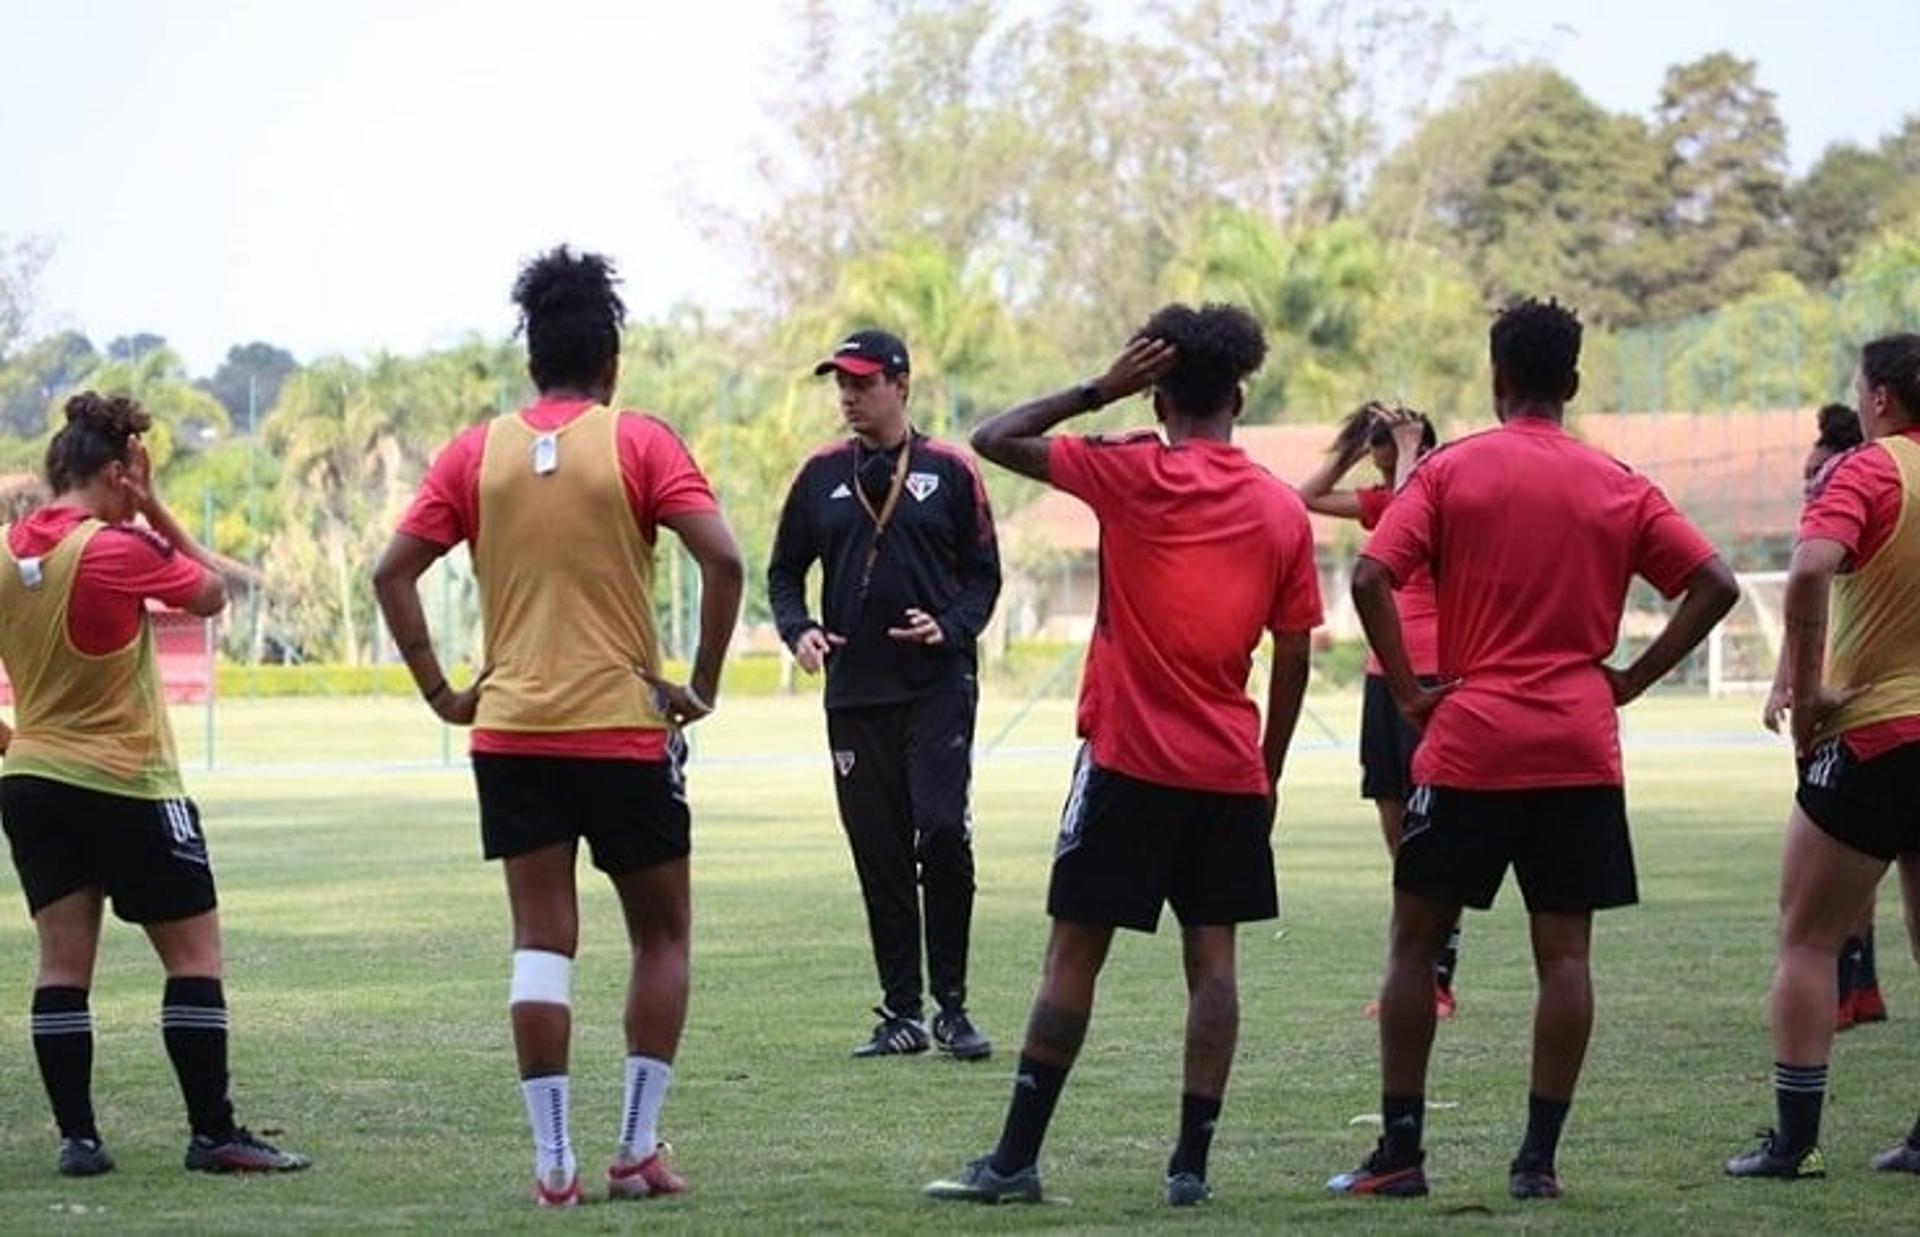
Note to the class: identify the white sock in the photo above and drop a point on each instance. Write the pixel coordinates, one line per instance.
(547, 1102)
(647, 1081)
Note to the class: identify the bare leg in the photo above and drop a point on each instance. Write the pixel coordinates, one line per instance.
(1213, 1008)
(546, 917)
(1563, 1011)
(188, 948)
(69, 933)
(1393, 815)
(659, 916)
(1419, 930)
(1822, 885)
(1910, 896)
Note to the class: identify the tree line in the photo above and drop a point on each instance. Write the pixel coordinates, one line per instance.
(1013, 194)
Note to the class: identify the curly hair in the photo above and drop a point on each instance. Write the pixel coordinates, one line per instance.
(100, 430)
(571, 315)
(1893, 362)
(1216, 347)
(1535, 346)
(1839, 429)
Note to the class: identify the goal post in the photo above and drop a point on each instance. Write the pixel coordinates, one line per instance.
(1745, 647)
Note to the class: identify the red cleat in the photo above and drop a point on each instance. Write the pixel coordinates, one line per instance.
(1843, 1018)
(1867, 1005)
(652, 1177)
(560, 1198)
(1443, 1004)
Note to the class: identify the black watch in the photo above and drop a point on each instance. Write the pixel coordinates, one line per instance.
(1090, 399)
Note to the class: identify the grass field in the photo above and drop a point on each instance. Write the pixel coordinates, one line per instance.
(367, 948)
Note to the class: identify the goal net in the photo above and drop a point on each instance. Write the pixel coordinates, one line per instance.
(1744, 648)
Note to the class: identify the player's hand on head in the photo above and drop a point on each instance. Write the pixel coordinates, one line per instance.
(677, 702)
(814, 646)
(1407, 428)
(921, 628)
(1810, 714)
(138, 476)
(1141, 363)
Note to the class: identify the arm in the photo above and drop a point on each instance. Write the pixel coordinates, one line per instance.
(1710, 593)
(1017, 438)
(1380, 618)
(1286, 686)
(138, 480)
(1321, 498)
(977, 565)
(1809, 588)
(722, 581)
(396, 583)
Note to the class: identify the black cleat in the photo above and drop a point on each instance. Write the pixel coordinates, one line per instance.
(1768, 1160)
(241, 1153)
(979, 1183)
(955, 1035)
(894, 1037)
(1530, 1179)
(84, 1157)
(1185, 1189)
(1902, 1157)
(1381, 1176)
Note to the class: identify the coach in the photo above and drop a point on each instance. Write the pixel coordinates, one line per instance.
(900, 526)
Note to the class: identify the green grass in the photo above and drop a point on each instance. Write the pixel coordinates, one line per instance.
(367, 947)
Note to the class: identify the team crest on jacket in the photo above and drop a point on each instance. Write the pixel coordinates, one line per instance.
(922, 485)
(843, 761)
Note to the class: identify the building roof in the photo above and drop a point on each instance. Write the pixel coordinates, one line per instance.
(1736, 474)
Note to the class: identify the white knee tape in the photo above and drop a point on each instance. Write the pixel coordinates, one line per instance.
(541, 977)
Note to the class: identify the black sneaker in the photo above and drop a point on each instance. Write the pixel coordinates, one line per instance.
(894, 1037)
(241, 1153)
(1768, 1160)
(955, 1035)
(1902, 1157)
(1383, 1176)
(1530, 1179)
(84, 1157)
(979, 1183)
(1185, 1189)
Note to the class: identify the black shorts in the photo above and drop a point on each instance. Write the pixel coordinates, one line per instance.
(1872, 806)
(633, 813)
(148, 855)
(1128, 846)
(1568, 847)
(1387, 741)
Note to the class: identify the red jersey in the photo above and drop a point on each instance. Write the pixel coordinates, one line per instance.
(1856, 502)
(1533, 538)
(121, 568)
(1419, 607)
(661, 481)
(1201, 551)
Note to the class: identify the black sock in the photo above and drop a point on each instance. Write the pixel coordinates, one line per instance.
(1449, 961)
(1849, 966)
(63, 1044)
(1864, 975)
(1036, 1089)
(1798, 1091)
(1198, 1114)
(193, 1021)
(1404, 1118)
(1545, 1118)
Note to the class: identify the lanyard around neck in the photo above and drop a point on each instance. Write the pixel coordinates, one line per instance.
(884, 516)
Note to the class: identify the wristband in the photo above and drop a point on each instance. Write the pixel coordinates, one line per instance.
(433, 695)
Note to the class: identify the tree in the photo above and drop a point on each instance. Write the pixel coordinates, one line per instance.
(38, 376)
(1850, 196)
(249, 379)
(21, 261)
(130, 348)
(185, 418)
(1544, 191)
(1726, 161)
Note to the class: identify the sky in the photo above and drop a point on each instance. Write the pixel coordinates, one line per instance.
(357, 175)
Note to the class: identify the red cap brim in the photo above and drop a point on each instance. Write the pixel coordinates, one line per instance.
(858, 366)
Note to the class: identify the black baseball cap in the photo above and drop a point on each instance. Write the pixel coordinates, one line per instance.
(868, 352)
